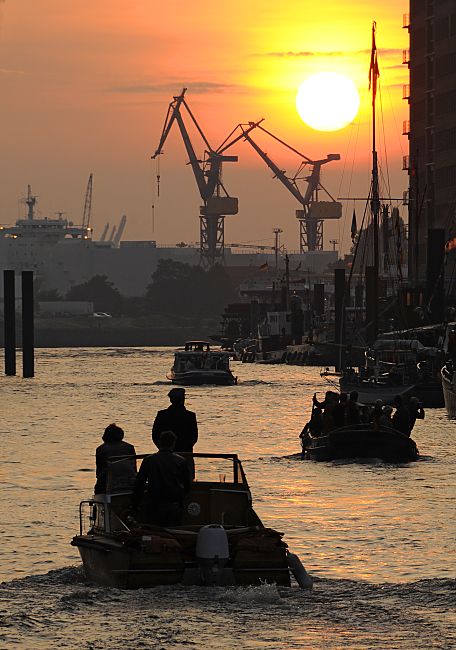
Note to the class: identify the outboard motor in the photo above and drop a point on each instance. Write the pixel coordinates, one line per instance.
(212, 554)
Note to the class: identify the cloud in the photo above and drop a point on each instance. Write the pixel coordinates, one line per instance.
(303, 54)
(195, 87)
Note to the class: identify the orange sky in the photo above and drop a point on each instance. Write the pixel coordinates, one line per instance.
(86, 85)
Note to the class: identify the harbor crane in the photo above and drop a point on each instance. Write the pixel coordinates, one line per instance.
(312, 212)
(217, 203)
(87, 204)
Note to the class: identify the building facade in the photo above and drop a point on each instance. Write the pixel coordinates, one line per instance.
(432, 127)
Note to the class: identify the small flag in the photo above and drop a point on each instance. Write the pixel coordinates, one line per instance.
(374, 72)
(354, 227)
(450, 245)
(264, 267)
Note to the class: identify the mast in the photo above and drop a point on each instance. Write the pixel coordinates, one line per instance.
(375, 201)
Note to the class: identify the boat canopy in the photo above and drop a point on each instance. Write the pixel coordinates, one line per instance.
(398, 344)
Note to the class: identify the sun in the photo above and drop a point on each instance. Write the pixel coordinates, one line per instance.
(327, 101)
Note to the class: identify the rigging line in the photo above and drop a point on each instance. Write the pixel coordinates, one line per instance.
(350, 180)
(341, 235)
(393, 113)
(384, 141)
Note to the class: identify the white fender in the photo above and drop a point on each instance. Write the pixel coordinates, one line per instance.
(297, 568)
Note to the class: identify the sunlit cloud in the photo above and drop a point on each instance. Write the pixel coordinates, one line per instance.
(195, 87)
(304, 54)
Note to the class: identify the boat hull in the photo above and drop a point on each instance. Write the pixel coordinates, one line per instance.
(449, 394)
(362, 442)
(200, 377)
(108, 563)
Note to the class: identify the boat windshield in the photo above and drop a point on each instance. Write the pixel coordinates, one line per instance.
(209, 468)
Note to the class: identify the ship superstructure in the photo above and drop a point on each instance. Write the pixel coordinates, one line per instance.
(45, 229)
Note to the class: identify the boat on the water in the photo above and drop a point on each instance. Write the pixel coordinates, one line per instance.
(360, 441)
(221, 539)
(397, 367)
(448, 376)
(197, 363)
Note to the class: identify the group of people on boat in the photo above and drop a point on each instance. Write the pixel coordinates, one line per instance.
(339, 410)
(164, 477)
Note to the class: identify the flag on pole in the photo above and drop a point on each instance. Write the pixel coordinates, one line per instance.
(264, 267)
(374, 72)
(354, 227)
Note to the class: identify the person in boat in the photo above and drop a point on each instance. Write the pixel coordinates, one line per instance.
(327, 406)
(401, 417)
(416, 412)
(377, 413)
(385, 418)
(338, 413)
(314, 426)
(161, 484)
(178, 419)
(352, 413)
(122, 472)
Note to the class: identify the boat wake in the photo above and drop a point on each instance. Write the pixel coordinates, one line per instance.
(63, 606)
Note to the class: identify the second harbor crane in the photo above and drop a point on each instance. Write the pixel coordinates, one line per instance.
(313, 211)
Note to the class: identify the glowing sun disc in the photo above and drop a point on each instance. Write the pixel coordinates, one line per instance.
(327, 101)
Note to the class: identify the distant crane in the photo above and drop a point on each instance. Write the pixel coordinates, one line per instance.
(261, 247)
(87, 204)
(217, 203)
(117, 237)
(105, 232)
(313, 211)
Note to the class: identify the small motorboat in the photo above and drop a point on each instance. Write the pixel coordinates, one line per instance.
(221, 539)
(199, 364)
(360, 441)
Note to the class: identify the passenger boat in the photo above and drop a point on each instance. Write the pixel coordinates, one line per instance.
(448, 376)
(360, 441)
(199, 364)
(221, 539)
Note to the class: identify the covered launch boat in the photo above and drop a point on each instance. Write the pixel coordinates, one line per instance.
(221, 539)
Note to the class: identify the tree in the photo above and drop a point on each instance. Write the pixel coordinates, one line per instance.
(101, 292)
(182, 289)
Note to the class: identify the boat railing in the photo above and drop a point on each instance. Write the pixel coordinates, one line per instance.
(237, 469)
(92, 516)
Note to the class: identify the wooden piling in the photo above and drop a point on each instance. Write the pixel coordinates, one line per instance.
(28, 334)
(9, 319)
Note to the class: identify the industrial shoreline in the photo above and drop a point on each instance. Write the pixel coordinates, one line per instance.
(113, 332)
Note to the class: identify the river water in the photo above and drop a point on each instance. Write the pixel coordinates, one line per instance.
(378, 539)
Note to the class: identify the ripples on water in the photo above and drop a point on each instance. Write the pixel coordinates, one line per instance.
(378, 538)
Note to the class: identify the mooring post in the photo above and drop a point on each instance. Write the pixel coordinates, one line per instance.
(28, 335)
(9, 320)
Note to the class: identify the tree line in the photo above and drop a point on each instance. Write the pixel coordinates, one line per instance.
(176, 288)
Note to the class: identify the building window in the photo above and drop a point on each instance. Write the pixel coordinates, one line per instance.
(446, 139)
(445, 176)
(445, 103)
(445, 65)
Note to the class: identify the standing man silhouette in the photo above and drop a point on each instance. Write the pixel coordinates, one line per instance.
(178, 419)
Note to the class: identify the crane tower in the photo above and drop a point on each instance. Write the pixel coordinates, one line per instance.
(312, 212)
(217, 203)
